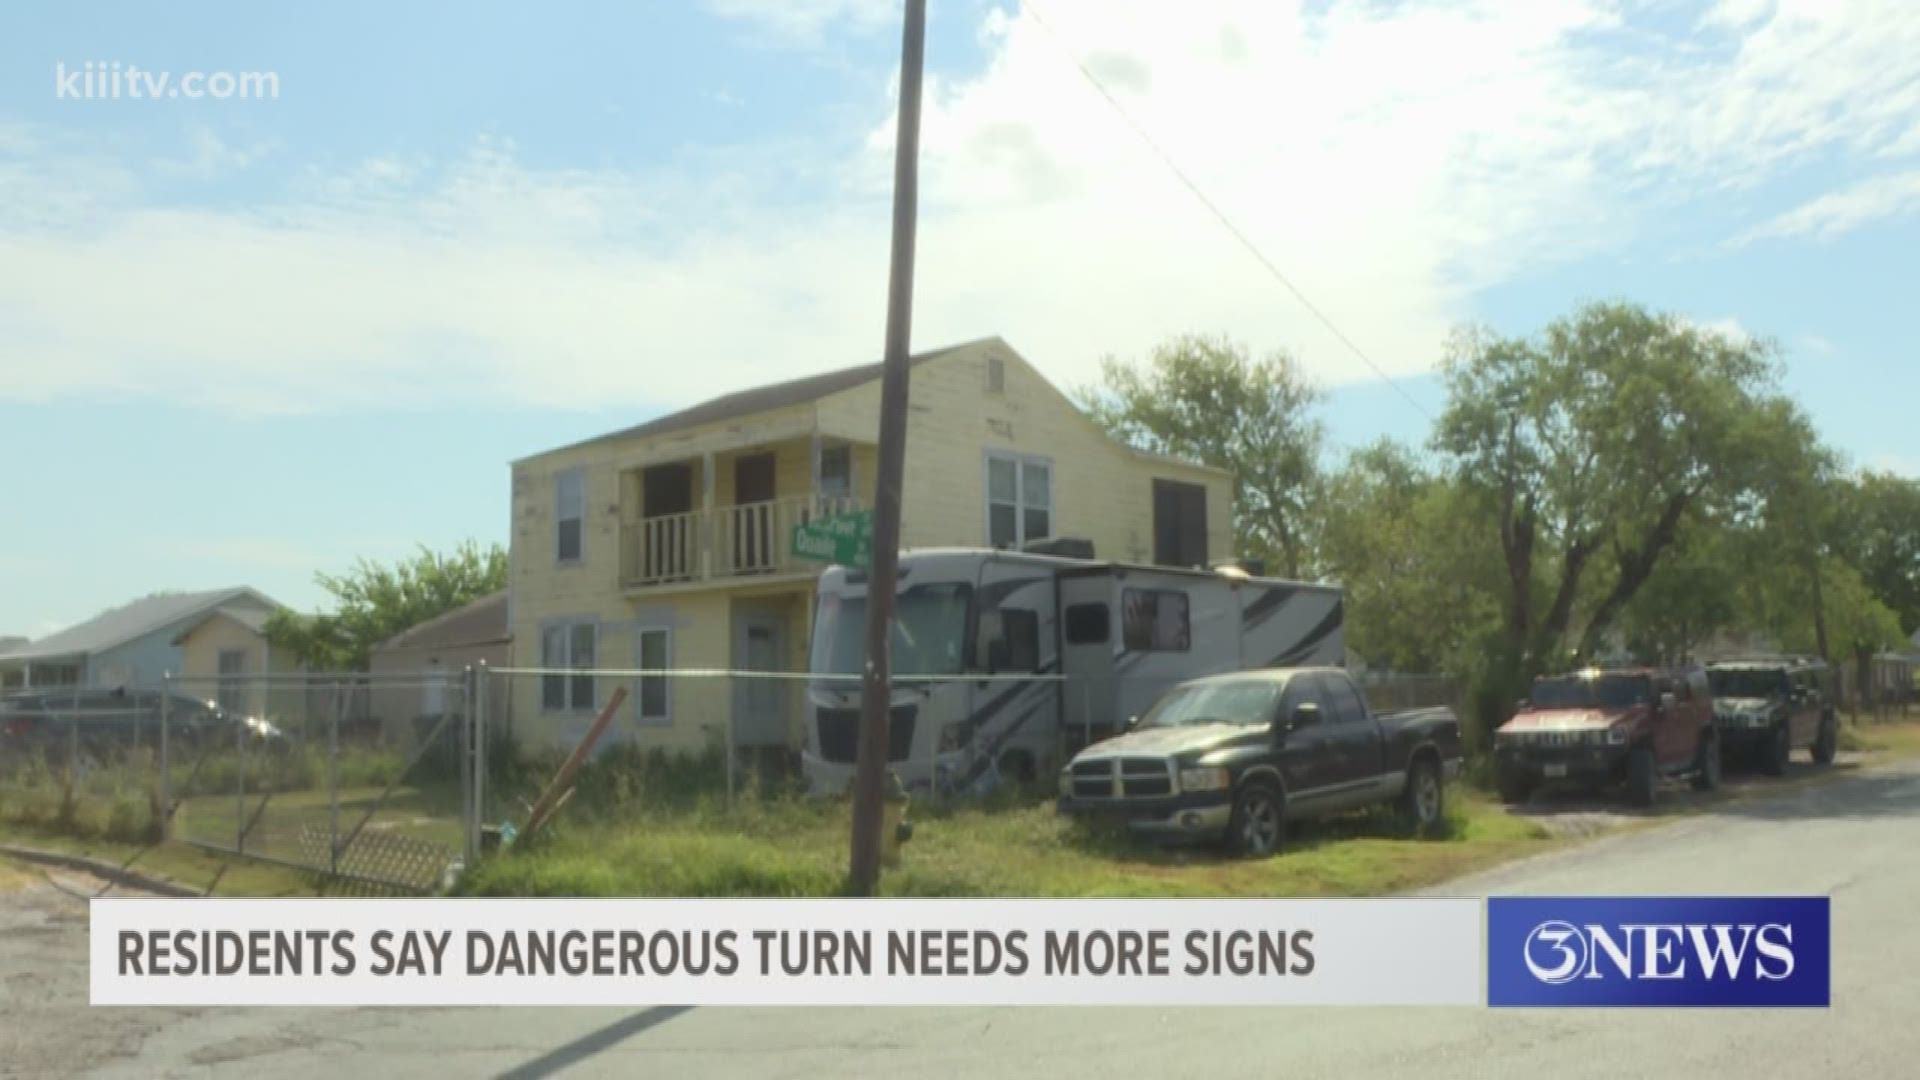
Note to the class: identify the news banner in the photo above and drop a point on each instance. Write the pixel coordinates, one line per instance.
(1663, 952)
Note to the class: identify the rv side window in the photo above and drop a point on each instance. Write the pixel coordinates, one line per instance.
(1155, 620)
(1088, 624)
(1023, 639)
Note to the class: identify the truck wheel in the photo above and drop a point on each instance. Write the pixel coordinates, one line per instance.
(1257, 821)
(1773, 759)
(1640, 776)
(1421, 802)
(1706, 775)
(1827, 742)
(1514, 789)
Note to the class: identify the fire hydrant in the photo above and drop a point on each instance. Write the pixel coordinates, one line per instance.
(895, 829)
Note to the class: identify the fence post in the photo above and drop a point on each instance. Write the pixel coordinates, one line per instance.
(733, 702)
(333, 779)
(468, 760)
(481, 738)
(239, 782)
(166, 791)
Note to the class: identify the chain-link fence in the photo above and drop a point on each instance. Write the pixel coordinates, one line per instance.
(365, 779)
(689, 737)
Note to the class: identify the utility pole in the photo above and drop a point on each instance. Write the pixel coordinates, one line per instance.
(876, 688)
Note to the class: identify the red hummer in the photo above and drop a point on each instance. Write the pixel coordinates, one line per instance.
(1620, 726)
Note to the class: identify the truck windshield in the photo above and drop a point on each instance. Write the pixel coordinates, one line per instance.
(929, 632)
(1250, 702)
(1747, 682)
(1592, 692)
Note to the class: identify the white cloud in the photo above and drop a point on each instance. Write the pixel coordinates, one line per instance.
(1817, 345)
(1393, 160)
(1729, 327)
(1881, 198)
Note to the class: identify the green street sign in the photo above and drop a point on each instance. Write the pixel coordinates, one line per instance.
(846, 539)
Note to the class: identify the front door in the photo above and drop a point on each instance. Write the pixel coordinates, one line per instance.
(760, 705)
(753, 526)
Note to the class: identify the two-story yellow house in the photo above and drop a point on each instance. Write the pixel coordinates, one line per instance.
(667, 545)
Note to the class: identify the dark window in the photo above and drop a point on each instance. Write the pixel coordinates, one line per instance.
(1023, 639)
(570, 511)
(655, 655)
(1302, 690)
(996, 375)
(1019, 500)
(1088, 624)
(1155, 620)
(1343, 700)
(1179, 523)
(836, 471)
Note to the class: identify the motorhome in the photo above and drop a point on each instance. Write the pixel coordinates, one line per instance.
(1006, 662)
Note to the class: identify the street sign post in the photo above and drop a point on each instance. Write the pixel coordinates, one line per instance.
(846, 539)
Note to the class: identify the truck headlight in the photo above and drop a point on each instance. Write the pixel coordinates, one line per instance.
(1214, 779)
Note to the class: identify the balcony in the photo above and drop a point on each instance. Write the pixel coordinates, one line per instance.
(723, 544)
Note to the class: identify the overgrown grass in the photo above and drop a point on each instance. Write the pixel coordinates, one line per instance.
(784, 845)
(1897, 737)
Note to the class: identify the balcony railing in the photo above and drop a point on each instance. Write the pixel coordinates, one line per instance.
(727, 542)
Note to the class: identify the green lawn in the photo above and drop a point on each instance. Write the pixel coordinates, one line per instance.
(798, 848)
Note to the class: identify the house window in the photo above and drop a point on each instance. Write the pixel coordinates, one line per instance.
(233, 692)
(1019, 500)
(570, 514)
(996, 375)
(836, 471)
(1155, 620)
(569, 644)
(656, 654)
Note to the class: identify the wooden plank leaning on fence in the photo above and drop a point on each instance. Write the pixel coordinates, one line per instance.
(562, 783)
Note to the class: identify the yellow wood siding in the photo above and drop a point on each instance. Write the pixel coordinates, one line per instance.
(200, 651)
(1101, 491)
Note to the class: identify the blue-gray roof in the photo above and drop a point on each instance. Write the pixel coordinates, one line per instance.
(128, 621)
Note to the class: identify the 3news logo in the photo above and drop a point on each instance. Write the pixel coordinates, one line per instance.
(1745, 951)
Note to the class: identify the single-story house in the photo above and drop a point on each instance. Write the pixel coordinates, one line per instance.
(135, 644)
(437, 652)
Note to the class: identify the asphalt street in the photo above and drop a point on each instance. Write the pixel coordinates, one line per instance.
(1857, 839)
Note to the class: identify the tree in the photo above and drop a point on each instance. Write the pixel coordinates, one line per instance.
(374, 602)
(1594, 444)
(1206, 399)
(1420, 592)
(1877, 530)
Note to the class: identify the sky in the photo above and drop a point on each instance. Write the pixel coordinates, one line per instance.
(245, 338)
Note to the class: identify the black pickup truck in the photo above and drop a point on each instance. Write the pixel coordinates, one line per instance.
(1234, 757)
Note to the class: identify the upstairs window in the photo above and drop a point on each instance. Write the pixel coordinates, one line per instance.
(570, 515)
(836, 471)
(1019, 500)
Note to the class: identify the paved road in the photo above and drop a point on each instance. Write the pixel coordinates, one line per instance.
(1854, 838)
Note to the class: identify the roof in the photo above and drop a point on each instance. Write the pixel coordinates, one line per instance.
(129, 621)
(761, 399)
(482, 622)
(252, 618)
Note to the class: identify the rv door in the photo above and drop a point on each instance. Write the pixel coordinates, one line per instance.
(1087, 634)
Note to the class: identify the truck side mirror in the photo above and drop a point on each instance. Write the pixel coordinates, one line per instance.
(1666, 700)
(1520, 705)
(1305, 715)
(1132, 722)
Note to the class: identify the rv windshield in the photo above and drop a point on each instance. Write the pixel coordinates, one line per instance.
(1251, 701)
(929, 632)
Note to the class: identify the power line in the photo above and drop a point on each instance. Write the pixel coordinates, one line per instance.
(1214, 208)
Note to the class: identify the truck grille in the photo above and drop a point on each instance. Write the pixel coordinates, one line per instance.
(840, 733)
(1122, 778)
